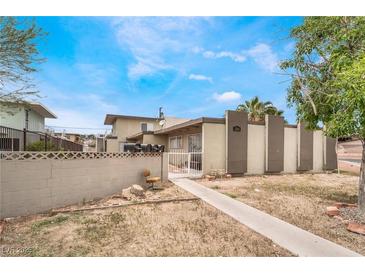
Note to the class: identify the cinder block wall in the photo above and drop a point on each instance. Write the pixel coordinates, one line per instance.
(34, 186)
(273, 147)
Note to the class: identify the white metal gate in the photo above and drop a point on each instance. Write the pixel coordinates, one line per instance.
(185, 164)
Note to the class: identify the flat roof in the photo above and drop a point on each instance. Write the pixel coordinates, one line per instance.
(191, 123)
(110, 118)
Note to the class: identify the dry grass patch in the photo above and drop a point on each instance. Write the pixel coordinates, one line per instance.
(170, 229)
(300, 199)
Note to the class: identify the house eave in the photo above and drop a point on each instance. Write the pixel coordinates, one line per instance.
(110, 118)
(189, 123)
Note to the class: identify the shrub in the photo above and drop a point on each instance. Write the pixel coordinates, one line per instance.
(39, 146)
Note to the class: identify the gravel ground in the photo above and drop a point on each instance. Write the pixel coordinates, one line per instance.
(352, 214)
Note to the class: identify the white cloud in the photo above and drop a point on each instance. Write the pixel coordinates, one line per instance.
(197, 49)
(222, 54)
(228, 96)
(99, 102)
(200, 77)
(264, 56)
(145, 67)
(151, 39)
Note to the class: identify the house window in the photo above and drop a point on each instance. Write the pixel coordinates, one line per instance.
(195, 143)
(146, 127)
(175, 142)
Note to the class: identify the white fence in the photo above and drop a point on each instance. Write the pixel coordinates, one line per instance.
(185, 164)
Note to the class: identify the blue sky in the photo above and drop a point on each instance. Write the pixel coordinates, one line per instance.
(191, 66)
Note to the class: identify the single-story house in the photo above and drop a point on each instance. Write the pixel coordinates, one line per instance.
(232, 144)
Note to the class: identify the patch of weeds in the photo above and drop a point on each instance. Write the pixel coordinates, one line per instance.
(76, 215)
(94, 232)
(116, 218)
(78, 251)
(232, 195)
(89, 221)
(339, 196)
(329, 193)
(215, 187)
(48, 222)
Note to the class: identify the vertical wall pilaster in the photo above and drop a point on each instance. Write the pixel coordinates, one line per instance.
(330, 155)
(305, 148)
(236, 142)
(274, 143)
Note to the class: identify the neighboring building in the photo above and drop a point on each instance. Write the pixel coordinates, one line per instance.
(127, 129)
(231, 144)
(73, 137)
(30, 116)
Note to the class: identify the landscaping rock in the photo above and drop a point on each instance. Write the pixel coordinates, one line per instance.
(137, 190)
(126, 194)
(332, 211)
(1, 227)
(356, 228)
(344, 205)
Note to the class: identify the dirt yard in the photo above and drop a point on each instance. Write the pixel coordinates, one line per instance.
(299, 199)
(187, 228)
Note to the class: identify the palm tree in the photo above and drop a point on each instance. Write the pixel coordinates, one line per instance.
(256, 109)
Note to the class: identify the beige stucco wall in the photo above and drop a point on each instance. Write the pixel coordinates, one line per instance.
(33, 186)
(290, 150)
(214, 148)
(170, 121)
(155, 139)
(318, 150)
(112, 145)
(124, 127)
(255, 149)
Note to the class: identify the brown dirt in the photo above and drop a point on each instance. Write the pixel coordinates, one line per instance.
(299, 199)
(171, 229)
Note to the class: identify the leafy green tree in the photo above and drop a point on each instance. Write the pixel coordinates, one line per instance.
(19, 57)
(327, 70)
(257, 109)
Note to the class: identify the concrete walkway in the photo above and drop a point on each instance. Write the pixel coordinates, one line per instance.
(294, 239)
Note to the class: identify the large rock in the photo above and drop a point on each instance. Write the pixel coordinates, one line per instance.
(137, 190)
(345, 205)
(357, 228)
(332, 211)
